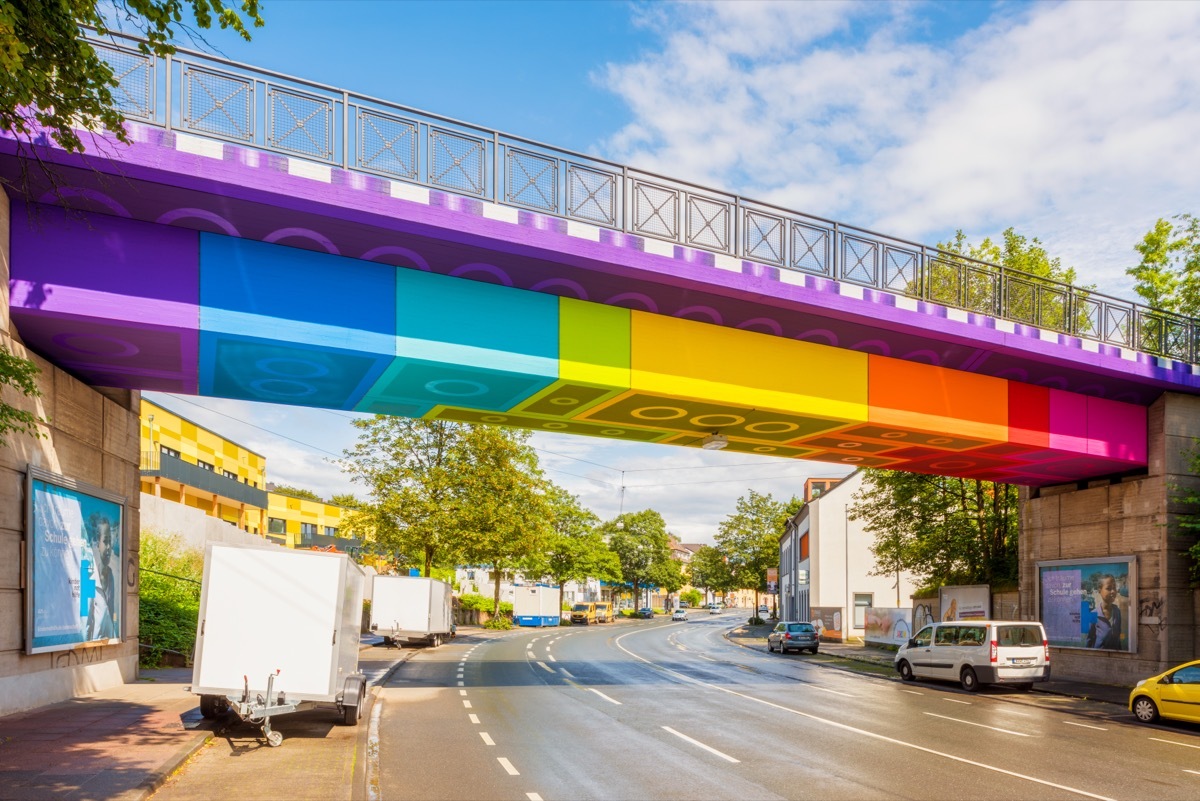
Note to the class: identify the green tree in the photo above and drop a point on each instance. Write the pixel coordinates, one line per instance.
(640, 541)
(504, 513)
(941, 529)
(168, 597)
(347, 501)
(1168, 276)
(750, 539)
(21, 375)
(413, 470)
(297, 492)
(53, 80)
(710, 569)
(1034, 297)
(575, 551)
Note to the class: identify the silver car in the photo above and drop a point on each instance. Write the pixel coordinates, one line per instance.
(792, 636)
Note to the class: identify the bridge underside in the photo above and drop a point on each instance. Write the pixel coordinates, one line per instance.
(127, 303)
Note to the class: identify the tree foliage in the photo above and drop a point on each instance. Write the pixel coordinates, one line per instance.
(297, 492)
(21, 375)
(575, 550)
(710, 569)
(1168, 276)
(641, 543)
(943, 530)
(52, 79)
(169, 597)
(749, 538)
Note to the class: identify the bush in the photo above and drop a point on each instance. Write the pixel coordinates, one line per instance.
(756, 621)
(168, 605)
(473, 600)
(564, 622)
(498, 623)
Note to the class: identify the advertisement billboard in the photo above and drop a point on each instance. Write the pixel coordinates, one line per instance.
(888, 626)
(75, 551)
(966, 602)
(1085, 603)
(828, 620)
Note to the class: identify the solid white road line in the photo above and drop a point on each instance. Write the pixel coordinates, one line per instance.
(504, 763)
(1172, 742)
(605, 697)
(980, 725)
(473, 718)
(487, 738)
(372, 763)
(708, 748)
(854, 729)
(546, 667)
(1084, 725)
(1197, 772)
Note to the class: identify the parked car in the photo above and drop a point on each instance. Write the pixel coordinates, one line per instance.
(764, 612)
(792, 636)
(714, 609)
(679, 614)
(1173, 694)
(645, 612)
(977, 653)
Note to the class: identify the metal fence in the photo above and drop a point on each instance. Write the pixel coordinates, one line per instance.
(219, 99)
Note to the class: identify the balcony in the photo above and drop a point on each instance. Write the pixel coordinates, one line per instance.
(173, 468)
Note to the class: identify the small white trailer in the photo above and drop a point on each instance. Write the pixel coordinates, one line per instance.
(278, 632)
(411, 609)
(536, 606)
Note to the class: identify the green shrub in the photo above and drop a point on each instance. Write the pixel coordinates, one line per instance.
(506, 608)
(473, 600)
(498, 623)
(168, 605)
(756, 621)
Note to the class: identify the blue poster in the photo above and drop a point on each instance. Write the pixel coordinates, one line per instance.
(75, 548)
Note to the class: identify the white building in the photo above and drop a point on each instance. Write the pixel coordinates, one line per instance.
(825, 565)
(478, 580)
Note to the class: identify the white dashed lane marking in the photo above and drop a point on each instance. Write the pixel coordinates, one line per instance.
(504, 763)
(487, 739)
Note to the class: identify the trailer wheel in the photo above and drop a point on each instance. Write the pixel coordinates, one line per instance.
(274, 739)
(213, 706)
(350, 713)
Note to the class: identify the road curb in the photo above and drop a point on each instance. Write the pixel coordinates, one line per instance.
(159, 775)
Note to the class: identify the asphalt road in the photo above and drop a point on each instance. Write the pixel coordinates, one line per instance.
(654, 709)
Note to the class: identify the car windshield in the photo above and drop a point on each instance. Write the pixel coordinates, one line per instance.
(803, 628)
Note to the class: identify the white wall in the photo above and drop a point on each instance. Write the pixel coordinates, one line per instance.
(193, 527)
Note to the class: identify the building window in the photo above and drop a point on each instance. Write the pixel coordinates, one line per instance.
(330, 531)
(229, 474)
(861, 601)
(169, 451)
(276, 525)
(204, 465)
(308, 530)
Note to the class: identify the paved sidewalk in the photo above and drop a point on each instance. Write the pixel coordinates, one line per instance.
(756, 637)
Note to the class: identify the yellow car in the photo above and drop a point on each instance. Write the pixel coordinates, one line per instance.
(1172, 694)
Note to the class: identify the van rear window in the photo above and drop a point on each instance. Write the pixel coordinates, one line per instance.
(1019, 635)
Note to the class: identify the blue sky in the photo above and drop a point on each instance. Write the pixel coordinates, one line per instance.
(1072, 122)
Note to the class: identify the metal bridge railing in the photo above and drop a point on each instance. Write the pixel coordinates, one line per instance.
(219, 99)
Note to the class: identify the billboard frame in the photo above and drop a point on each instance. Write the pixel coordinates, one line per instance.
(38, 483)
(1131, 583)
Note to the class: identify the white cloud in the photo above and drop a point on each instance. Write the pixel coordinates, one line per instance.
(1072, 122)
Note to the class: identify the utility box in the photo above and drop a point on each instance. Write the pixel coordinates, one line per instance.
(536, 606)
(411, 609)
(278, 631)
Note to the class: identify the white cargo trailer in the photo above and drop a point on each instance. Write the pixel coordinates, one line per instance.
(278, 632)
(536, 606)
(411, 609)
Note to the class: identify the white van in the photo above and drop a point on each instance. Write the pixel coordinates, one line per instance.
(978, 652)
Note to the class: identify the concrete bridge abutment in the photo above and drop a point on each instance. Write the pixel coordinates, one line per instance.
(1137, 516)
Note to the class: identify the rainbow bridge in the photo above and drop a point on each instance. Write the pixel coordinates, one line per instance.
(270, 239)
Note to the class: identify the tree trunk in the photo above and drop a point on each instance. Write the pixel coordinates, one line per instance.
(496, 592)
(561, 590)
(428, 560)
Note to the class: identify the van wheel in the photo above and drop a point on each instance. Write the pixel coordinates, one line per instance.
(905, 669)
(968, 679)
(1145, 710)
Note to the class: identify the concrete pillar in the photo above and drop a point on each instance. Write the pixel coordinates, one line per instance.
(1134, 516)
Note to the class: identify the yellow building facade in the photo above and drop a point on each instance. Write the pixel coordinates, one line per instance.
(184, 462)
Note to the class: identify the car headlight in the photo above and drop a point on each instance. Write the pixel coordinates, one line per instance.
(1140, 683)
